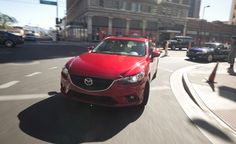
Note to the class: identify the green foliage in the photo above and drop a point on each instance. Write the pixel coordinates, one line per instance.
(6, 21)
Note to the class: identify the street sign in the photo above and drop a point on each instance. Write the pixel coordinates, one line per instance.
(48, 2)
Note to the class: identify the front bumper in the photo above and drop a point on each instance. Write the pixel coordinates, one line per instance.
(196, 56)
(117, 94)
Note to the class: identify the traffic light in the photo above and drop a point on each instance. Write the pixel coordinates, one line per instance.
(58, 21)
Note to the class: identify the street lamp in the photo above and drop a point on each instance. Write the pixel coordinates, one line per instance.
(204, 11)
(202, 24)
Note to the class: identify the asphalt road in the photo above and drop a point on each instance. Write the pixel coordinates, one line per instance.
(33, 110)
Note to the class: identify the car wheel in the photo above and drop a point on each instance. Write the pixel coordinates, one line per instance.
(146, 94)
(209, 58)
(9, 43)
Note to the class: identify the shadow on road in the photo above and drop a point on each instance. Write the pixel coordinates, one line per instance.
(211, 129)
(31, 52)
(228, 92)
(60, 120)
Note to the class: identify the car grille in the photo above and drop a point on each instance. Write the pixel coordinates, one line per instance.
(97, 83)
(103, 100)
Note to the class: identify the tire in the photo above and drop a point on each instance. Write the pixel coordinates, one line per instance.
(146, 94)
(210, 58)
(9, 43)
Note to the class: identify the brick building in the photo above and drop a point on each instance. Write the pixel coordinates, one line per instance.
(232, 19)
(203, 31)
(92, 20)
(95, 19)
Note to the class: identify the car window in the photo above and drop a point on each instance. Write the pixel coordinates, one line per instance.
(121, 47)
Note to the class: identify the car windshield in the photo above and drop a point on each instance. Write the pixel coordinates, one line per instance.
(29, 34)
(121, 47)
(210, 45)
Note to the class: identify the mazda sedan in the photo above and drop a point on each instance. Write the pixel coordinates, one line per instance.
(117, 72)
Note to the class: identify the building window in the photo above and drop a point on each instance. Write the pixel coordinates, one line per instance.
(136, 7)
(186, 2)
(116, 4)
(101, 3)
(124, 5)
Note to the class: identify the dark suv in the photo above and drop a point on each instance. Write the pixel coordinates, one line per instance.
(9, 39)
(180, 42)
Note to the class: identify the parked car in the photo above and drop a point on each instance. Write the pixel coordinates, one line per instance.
(117, 72)
(10, 40)
(180, 42)
(29, 37)
(209, 51)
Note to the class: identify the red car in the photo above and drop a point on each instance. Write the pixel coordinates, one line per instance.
(117, 72)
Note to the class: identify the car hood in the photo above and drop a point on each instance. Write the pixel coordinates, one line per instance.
(199, 49)
(106, 65)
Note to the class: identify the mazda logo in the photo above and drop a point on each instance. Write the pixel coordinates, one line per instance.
(88, 81)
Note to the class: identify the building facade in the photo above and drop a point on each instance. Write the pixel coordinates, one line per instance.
(203, 31)
(194, 9)
(232, 18)
(93, 20)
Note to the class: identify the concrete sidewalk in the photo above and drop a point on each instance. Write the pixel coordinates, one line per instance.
(219, 98)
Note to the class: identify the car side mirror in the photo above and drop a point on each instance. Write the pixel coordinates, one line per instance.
(91, 48)
(156, 53)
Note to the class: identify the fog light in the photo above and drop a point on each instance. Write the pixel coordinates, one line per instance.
(132, 98)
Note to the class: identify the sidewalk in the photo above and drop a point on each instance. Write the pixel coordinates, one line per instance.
(219, 97)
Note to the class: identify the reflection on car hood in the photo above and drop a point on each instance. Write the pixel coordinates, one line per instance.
(200, 49)
(106, 65)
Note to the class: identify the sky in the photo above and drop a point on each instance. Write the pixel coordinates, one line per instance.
(218, 10)
(31, 12)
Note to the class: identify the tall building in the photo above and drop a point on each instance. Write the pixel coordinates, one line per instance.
(95, 19)
(194, 8)
(232, 18)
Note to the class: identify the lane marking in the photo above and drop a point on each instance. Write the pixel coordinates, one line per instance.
(24, 63)
(51, 68)
(23, 97)
(9, 84)
(33, 74)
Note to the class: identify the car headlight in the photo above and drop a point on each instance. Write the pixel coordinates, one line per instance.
(65, 72)
(202, 52)
(134, 78)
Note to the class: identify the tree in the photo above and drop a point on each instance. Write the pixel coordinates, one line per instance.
(6, 20)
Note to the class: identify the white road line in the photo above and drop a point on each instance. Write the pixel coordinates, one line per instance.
(9, 84)
(33, 74)
(24, 63)
(51, 68)
(23, 97)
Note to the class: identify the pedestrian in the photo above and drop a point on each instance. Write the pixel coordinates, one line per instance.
(166, 48)
(232, 53)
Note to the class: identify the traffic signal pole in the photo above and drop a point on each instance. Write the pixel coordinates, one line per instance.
(57, 34)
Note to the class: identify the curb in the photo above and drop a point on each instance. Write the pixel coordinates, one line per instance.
(200, 103)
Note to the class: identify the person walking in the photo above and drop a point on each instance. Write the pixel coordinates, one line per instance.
(232, 53)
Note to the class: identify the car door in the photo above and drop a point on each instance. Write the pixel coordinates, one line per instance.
(223, 51)
(1, 37)
(153, 60)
